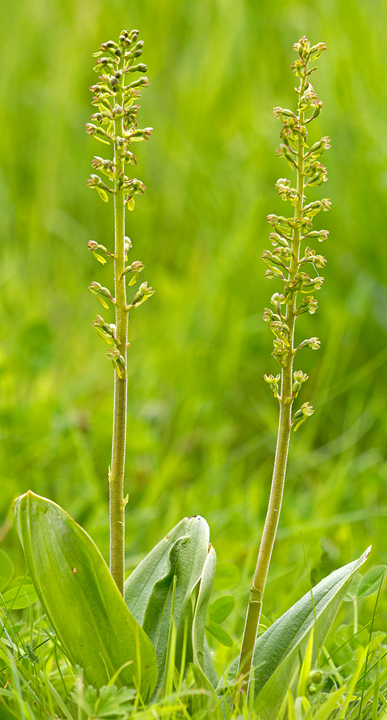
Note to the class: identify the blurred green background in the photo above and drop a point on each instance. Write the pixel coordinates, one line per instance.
(202, 423)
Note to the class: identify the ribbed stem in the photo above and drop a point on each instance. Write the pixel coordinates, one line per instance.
(281, 455)
(117, 472)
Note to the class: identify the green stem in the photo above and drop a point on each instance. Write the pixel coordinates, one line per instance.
(117, 472)
(281, 455)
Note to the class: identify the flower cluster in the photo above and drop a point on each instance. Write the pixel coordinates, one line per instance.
(115, 123)
(287, 261)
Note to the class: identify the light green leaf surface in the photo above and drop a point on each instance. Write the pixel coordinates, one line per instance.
(201, 652)
(371, 581)
(220, 634)
(81, 599)
(277, 650)
(181, 558)
(6, 570)
(20, 597)
(351, 593)
(221, 608)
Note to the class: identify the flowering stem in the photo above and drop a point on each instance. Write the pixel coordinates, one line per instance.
(287, 256)
(117, 472)
(117, 124)
(281, 455)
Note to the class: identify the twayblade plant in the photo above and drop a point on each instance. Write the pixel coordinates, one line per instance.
(98, 628)
(133, 633)
(287, 262)
(297, 266)
(117, 125)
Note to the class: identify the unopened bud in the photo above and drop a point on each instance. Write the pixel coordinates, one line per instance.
(134, 269)
(101, 293)
(143, 293)
(316, 676)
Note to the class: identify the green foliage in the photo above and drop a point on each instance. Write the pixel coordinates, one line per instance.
(173, 585)
(198, 430)
(277, 650)
(81, 599)
(6, 570)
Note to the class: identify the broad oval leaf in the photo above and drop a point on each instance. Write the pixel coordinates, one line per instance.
(221, 608)
(20, 597)
(174, 566)
(371, 582)
(6, 570)
(277, 650)
(80, 597)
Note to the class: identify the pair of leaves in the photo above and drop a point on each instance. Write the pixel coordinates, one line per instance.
(277, 650)
(81, 599)
(172, 585)
(19, 593)
(97, 629)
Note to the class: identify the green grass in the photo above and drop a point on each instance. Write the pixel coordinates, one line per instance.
(202, 423)
(38, 682)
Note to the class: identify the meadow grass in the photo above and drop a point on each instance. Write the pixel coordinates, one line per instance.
(202, 424)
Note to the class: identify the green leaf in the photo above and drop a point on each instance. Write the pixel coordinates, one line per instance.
(277, 650)
(179, 559)
(352, 590)
(221, 608)
(371, 581)
(6, 570)
(201, 653)
(19, 597)
(220, 634)
(81, 598)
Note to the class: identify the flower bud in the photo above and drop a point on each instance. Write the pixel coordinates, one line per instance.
(143, 293)
(101, 293)
(316, 676)
(127, 246)
(118, 361)
(140, 82)
(135, 268)
(138, 135)
(305, 411)
(105, 331)
(273, 382)
(141, 67)
(96, 249)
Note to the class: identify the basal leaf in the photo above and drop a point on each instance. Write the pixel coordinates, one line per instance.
(201, 652)
(6, 570)
(80, 597)
(139, 585)
(278, 649)
(178, 561)
(280, 646)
